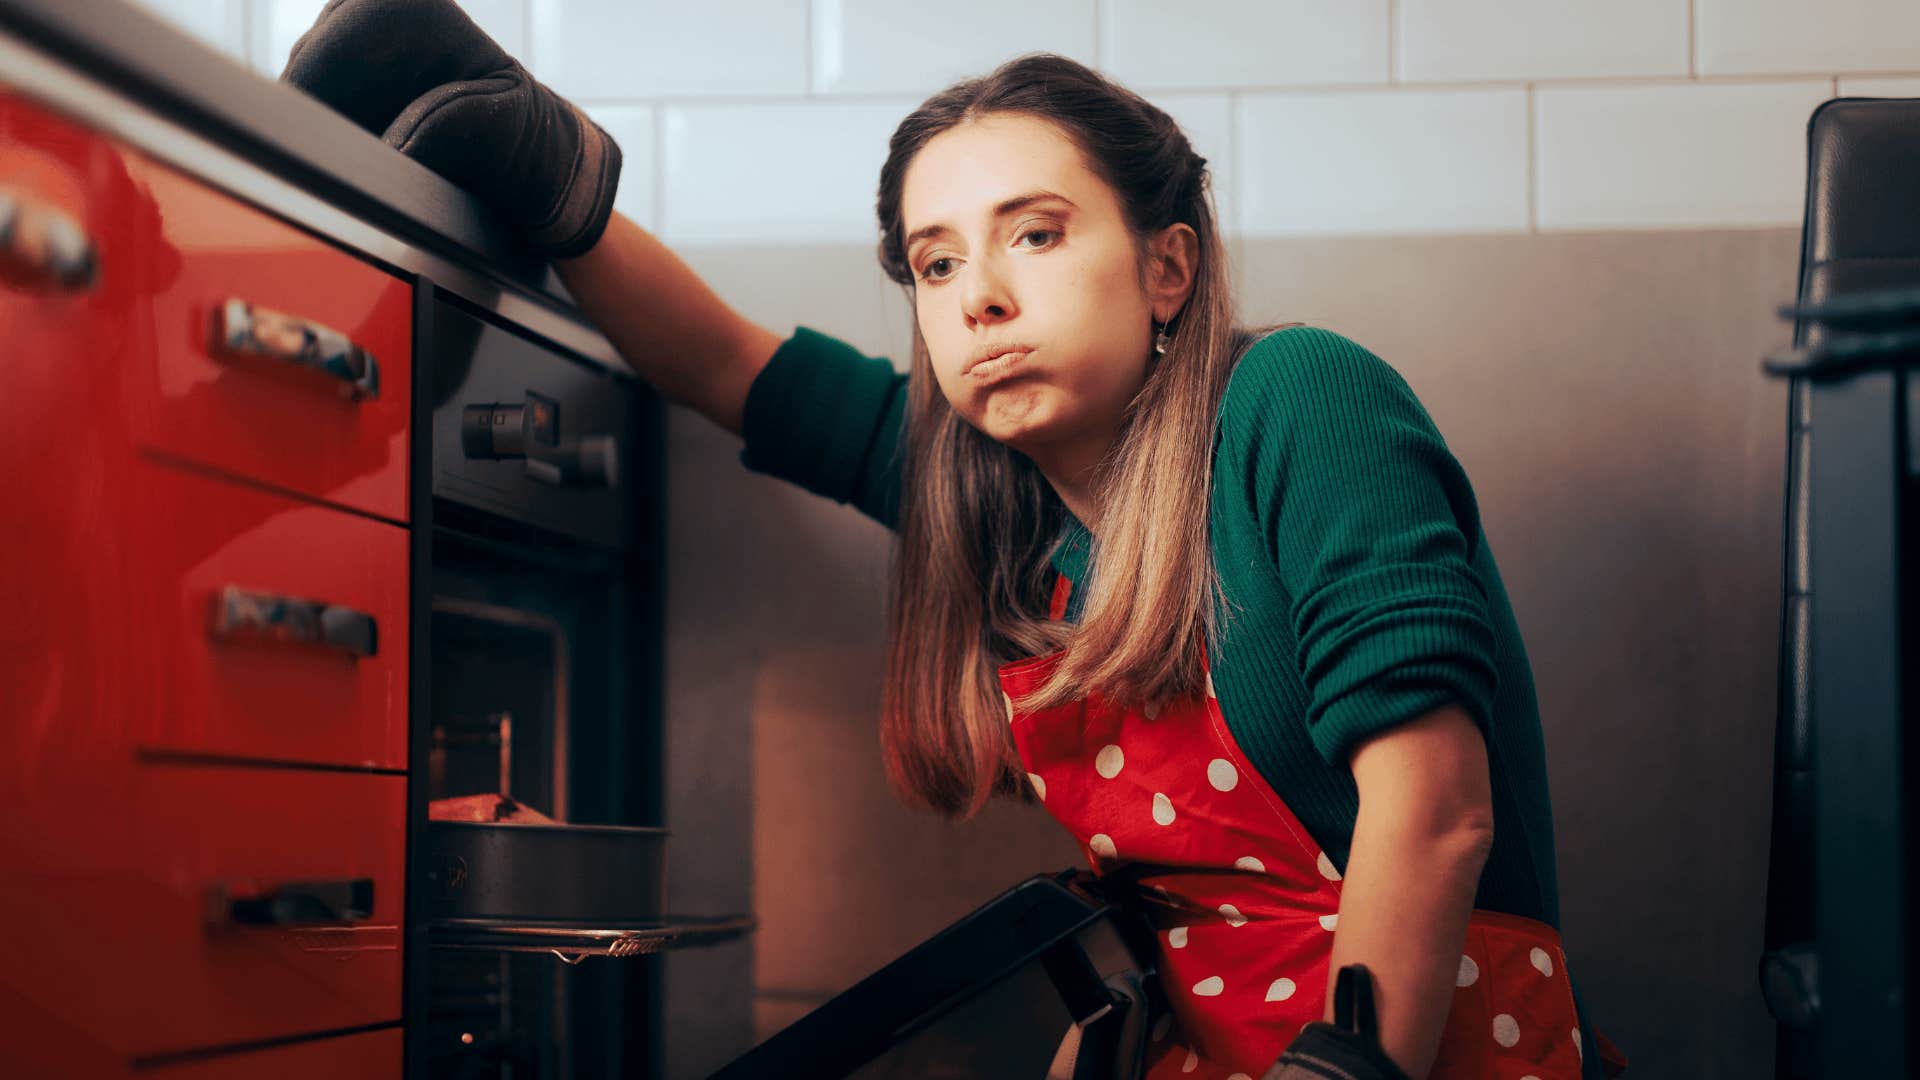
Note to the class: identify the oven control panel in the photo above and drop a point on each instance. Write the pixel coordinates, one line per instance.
(526, 431)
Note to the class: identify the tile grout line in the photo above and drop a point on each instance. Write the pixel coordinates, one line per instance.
(1533, 163)
(1693, 39)
(1393, 41)
(658, 204)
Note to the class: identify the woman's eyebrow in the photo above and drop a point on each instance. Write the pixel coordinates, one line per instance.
(1009, 206)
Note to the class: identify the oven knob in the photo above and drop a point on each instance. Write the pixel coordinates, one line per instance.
(593, 462)
(492, 432)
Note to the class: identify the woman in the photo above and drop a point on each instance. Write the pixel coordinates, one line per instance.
(1219, 601)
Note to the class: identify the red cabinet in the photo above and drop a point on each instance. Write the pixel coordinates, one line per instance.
(276, 629)
(203, 651)
(217, 906)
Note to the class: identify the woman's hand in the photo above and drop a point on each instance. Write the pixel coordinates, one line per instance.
(423, 77)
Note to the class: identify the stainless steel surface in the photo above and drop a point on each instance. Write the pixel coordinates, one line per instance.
(72, 92)
(574, 943)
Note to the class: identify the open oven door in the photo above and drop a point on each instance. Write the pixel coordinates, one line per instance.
(990, 996)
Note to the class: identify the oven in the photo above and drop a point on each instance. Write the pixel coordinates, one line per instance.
(535, 948)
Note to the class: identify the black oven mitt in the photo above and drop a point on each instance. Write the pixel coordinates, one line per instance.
(423, 77)
(1349, 1047)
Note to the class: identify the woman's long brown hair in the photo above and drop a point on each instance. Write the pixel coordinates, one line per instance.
(978, 522)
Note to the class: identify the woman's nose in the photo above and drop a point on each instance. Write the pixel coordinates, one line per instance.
(986, 299)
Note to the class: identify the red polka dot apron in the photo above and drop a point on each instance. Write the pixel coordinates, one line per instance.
(1244, 904)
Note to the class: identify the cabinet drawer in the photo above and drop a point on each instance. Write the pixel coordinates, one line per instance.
(168, 942)
(370, 1055)
(272, 628)
(296, 406)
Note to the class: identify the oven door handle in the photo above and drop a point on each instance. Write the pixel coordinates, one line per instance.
(291, 903)
(241, 614)
(242, 329)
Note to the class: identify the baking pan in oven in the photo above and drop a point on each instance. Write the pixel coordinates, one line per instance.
(588, 874)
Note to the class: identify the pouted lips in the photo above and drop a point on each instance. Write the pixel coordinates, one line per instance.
(993, 362)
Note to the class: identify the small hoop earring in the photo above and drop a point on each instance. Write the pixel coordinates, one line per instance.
(1160, 339)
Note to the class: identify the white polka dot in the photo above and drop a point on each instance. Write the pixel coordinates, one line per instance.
(1326, 868)
(1329, 922)
(1281, 990)
(1248, 862)
(1102, 845)
(1162, 809)
(1177, 937)
(1233, 916)
(1577, 1048)
(1192, 1062)
(1222, 775)
(1211, 986)
(1109, 761)
(1506, 1030)
(1469, 972)
(1162, 1026)
(1529, 1076)
(1039, 785)
(1541, 962)
(1239, 1076)
(1210, 692)
(1009, 700)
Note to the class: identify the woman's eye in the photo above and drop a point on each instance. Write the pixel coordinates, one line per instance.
(936, 269)
(1048, 235)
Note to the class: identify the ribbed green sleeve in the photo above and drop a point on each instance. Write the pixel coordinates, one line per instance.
(1370, 525)
(829, 418)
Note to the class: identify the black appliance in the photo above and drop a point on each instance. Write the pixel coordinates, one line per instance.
(532, 951)
(1842, 953)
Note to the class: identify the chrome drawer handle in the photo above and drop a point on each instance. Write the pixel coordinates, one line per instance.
(42, 248)
(239, 614)
(241, 329)
(291, 903)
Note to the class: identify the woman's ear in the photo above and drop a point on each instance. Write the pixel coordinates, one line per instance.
(1173, 257)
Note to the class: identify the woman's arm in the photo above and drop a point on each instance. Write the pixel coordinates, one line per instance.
(1424, 831)
(675, 332)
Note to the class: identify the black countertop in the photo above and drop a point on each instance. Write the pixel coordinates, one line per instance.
(280, 129)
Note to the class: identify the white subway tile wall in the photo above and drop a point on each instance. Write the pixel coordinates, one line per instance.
(803, 172)
(632, 127)
(614, 49)
(1483, 40)
(1807, 37)
(219, 23)
(1384, 161)
(1223, 44)
(887, 47)
(1880, 87)
(1690, 154)
(771, 116)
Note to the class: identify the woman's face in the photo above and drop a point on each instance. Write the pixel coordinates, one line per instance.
(1016, 245)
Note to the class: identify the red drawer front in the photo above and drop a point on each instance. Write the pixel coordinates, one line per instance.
(170, 252)
(250, 694)
(371, 1055)
(268, 419)
(137, 953)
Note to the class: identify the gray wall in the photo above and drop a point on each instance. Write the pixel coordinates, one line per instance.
(1603, 392)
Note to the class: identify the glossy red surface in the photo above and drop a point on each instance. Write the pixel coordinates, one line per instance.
(260, 698)
(138, 476)
(171, 250)
(126, 940)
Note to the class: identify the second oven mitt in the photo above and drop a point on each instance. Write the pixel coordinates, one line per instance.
(423, 77)
(1349, 1047)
